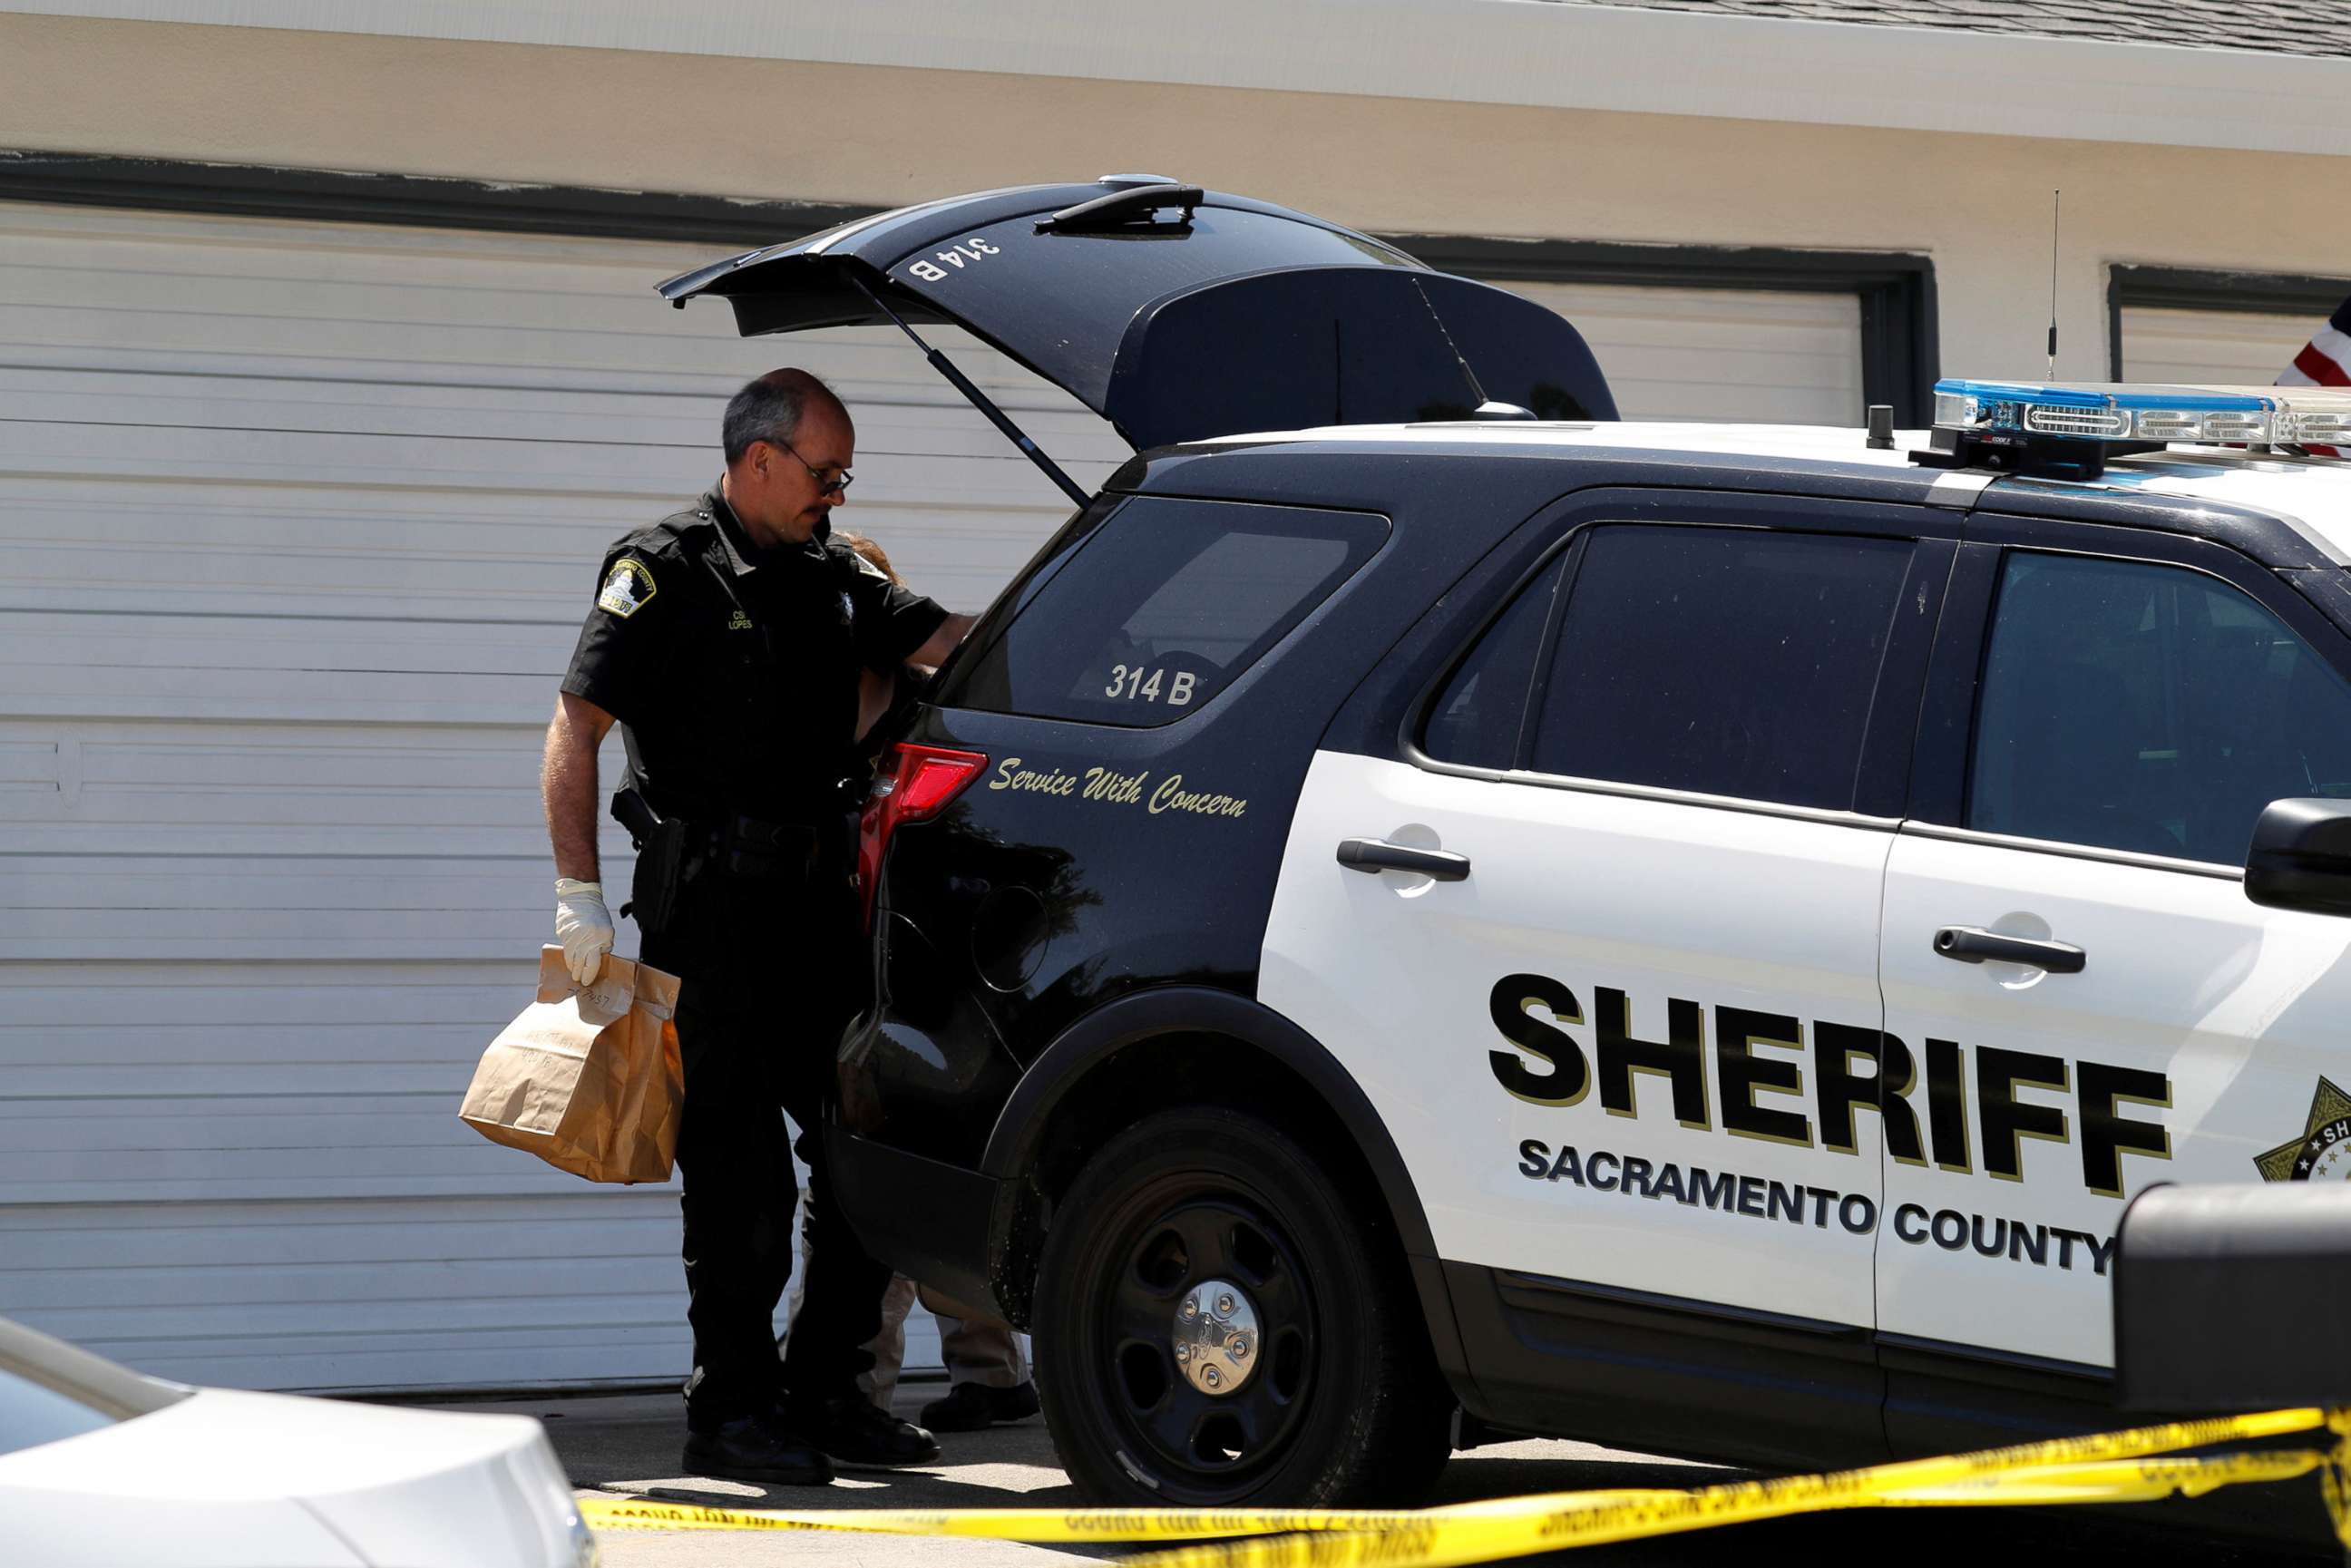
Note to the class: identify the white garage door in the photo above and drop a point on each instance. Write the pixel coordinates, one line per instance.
(296, 526)
(1745, 356)
(2221, 348)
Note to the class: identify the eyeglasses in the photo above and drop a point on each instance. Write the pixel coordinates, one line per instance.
(837, 486)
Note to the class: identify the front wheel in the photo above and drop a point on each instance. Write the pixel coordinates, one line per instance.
(1217, 1322)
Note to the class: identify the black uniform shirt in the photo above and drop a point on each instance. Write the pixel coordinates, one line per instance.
(733, 669)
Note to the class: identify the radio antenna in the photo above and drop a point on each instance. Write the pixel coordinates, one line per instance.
(2055, 197)
(1485, 407)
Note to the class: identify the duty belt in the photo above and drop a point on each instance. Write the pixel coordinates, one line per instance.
(676, 850)
(755, 851)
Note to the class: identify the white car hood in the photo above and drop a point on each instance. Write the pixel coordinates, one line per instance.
(264, 1479)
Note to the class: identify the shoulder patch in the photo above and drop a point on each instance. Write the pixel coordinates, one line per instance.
(626, 588)
(867, 567)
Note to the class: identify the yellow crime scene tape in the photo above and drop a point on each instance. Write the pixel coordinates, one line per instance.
(2140, 1465)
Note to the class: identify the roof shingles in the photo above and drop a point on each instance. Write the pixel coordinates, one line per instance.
(2268, 27)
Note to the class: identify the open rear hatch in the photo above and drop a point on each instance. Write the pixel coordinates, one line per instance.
(1176, 313)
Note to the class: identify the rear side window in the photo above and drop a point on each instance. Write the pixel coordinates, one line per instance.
(1724, 661)
(2132, 706)
(1163, 606)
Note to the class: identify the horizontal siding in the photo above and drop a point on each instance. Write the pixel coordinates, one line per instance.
(1747, 356)
(376, 1293)
(134, 842)
(291, 791)
(140, 1082)
(2223, 348)
(296, 527)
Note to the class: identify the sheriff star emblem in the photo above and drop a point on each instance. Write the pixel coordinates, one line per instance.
(2323, 1153)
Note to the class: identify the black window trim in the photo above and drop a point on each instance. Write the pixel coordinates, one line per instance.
(1942, 766)
(1925, 570)
(2130, 284)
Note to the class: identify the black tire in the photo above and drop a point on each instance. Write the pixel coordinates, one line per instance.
(1344, 1403)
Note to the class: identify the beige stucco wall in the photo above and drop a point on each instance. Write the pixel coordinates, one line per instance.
(1979, 205)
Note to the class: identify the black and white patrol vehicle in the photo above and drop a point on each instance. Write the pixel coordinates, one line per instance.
(1465, 914)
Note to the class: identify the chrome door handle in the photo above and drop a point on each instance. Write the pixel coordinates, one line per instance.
(1376, 855)
(1974, 944)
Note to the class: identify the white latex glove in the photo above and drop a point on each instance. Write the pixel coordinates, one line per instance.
(585, 927)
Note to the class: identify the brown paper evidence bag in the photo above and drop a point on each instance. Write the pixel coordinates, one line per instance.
(587, 1079)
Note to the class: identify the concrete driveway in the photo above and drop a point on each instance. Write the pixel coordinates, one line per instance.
(627, 1446)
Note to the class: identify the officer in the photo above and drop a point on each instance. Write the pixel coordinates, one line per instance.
(728, 640)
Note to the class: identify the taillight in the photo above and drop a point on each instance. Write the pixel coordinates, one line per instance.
(922, 782)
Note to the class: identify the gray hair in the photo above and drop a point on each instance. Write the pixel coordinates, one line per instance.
(769, 409)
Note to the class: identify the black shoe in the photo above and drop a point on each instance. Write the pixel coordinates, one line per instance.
(971, 1406)
(757, 1448)
(850, 1428)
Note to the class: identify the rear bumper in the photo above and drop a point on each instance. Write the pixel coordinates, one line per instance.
(931, 1221)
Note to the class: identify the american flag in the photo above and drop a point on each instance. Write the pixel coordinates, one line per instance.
(2325, 361)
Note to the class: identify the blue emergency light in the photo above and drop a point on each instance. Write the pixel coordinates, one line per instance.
(2069, 429)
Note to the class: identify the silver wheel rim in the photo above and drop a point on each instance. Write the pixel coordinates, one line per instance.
(1217, 1341)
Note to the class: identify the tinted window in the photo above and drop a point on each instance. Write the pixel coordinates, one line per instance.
(2142, 707)
(1475, 720)
(1726, 661)
(1163, 605)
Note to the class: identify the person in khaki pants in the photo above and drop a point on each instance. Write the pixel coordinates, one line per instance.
(987, 1373)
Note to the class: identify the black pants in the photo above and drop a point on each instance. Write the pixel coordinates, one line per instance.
(757, 1030)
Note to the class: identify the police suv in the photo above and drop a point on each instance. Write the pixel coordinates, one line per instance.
(1467, 914)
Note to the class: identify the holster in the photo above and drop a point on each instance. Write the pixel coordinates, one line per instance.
(666, 860)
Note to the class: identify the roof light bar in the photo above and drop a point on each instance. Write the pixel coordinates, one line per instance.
(2069, 429)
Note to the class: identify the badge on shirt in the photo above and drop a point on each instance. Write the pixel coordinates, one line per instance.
(626, 590)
